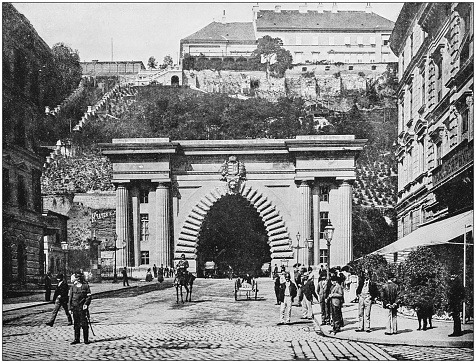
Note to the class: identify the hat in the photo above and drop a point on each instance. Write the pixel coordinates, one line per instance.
(59, 276)
(287, 274)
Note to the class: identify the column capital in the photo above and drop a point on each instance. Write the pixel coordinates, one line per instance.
(344, 182)
(305, 182)
(162, 185)
(121, 184)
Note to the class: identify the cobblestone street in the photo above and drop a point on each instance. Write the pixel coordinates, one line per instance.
(151, 326)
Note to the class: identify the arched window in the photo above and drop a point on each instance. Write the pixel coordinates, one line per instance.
(21, 261)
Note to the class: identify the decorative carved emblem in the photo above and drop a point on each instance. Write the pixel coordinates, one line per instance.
(233, 172)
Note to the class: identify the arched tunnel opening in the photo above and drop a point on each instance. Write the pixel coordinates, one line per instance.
(233, 236)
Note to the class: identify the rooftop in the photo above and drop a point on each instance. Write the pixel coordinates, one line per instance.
(314, 20)
(224, 32)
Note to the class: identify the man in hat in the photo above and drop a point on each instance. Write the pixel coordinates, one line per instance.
(390, 298)
(79, 300)
(455, 301)
(287, 293)
(60, 299)
(308, 291)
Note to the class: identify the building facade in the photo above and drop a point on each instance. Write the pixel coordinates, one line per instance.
(311, 34)
(434, 44)
(166, 188)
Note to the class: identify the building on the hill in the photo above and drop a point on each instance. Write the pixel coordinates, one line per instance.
(221, 40)
(111, 68)
(24, 56)
(314, 35)
(311, 35)
(434, 43)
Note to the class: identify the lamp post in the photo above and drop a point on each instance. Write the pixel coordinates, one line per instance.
(328, 234)
(464, 269)
(115, 258)
(308, 244)
(64, 247)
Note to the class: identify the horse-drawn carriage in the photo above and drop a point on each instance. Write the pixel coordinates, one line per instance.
(248, 287)
(210, 269)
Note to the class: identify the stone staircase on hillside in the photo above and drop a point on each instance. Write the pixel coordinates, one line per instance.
(68, 100)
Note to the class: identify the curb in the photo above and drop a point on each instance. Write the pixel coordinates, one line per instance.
(413, 342)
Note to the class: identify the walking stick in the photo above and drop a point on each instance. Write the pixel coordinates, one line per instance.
(89, 322)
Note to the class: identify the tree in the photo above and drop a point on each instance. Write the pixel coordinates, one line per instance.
(168, 62)
(152, 63)
(277, 59)
(67, 69)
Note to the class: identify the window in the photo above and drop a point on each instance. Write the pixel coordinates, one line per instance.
(360, 40)
(385, 42)
(423, 87)
(144, 257)
(144, 196)
(298, 40)
(315, 56)
(372, 41)
(465, 120)
(410, 97)
(328, 68)
(439, 81)
(359, 58)
(346, 58)
(144, 227)
(331, 41)
(372, 58)
(36, 189)
(438, 153)
(411, 45)
(323, 257)
(331, 57)
(374, 68)
(22, 193)
(421, 157)
(324, 193)
(347, 41)
(351, 68)
(324, 221)
(6, 184)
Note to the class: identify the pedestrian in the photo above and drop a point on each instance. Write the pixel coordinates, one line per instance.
(148, 275)
(367, 292)
(48, 286)
(298, 282)
(308, 291)
(322, 293)
(277, 284)
(166, 271)
(155, 271)
(79, 300)
(60, 299)
(287, 293)
(283, 268)
(160, 274)
(336, 299)
(390, 301)
(125, 279)
(456, 296)
(275, 270)
(171, 271)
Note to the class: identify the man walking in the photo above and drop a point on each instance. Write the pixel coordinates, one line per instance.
(287, 293)
(79, 300)
(60, 299)
(308, 291)
(154, 270)
(390, 302)
(125, 278)
(455, 301)
(322, 291)
(367, 292)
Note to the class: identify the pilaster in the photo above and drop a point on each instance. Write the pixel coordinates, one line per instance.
(316, 226)
(163, 226)
(304, 220)
(122, 224)
(136, 225)
(341, 246)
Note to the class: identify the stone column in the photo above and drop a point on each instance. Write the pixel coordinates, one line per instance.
(304, 228)
(469, 103)
(136, 225)
(316, 225)
(342, 243)
(162, 210)
(122, 224)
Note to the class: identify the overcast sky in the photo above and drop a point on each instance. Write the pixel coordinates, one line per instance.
(141, 30)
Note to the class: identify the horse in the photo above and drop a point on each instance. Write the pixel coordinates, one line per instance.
(185, 279)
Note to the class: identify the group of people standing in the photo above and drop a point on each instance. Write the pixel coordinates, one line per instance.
(75, 301)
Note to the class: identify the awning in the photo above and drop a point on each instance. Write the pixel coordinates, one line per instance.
(439, 232)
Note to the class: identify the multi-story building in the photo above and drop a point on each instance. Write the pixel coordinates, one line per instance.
(311, 34)
(434, 43)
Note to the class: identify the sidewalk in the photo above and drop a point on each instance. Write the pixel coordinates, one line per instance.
(407, 329)
(97, 288)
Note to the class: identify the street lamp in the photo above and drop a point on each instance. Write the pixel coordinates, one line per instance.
(328, 234)
(115, 258)
(308, 244)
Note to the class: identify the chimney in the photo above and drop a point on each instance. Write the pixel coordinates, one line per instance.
(320, 8)
(368, 8)
(303, 9)
(334, 8)
(255, 11)
(223, 19)
(277, 9)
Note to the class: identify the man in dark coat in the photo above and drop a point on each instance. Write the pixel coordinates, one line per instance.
(390, 299)
(60, 299)
(367, 292)
(277, 284)
(287, 293)
(125, 279)
(455, 301)
(154, 270)
(323, 288)
(308, 291)
(79, 300)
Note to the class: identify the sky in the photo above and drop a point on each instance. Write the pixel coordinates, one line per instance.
(135, 31)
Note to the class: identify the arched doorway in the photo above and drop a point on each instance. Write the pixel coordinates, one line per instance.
(175, 81)
(233, 234)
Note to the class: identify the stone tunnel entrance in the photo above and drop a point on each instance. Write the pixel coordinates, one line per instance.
(233, 234)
